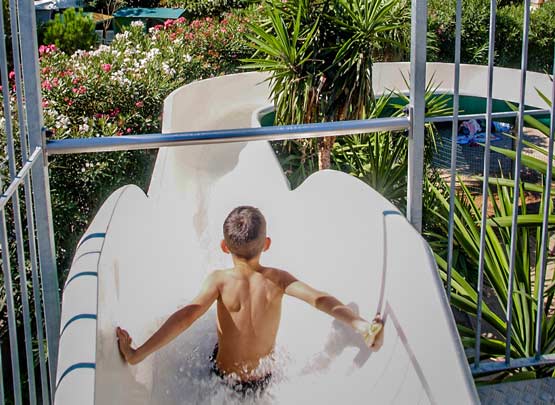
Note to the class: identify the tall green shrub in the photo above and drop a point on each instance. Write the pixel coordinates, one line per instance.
(542, 38)
(71, 31)
(205, 8)
(508, 33)
(474, 32)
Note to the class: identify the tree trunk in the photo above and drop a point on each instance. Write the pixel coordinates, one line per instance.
(324, 152)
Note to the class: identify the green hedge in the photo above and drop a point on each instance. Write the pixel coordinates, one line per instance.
(205, 8)
(71, 31)
(508, 38)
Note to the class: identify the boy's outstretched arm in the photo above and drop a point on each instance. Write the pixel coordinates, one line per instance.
(332, 306)
(175, 325)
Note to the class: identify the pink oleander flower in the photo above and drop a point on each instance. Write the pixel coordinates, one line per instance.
(181, 20)
(55, 82)
(46, 85)
(45, 49)
(168, 23)
(79, 90)
(128, 130)
(106, 67)
(158, 27)
(11, 75)
(139, 104)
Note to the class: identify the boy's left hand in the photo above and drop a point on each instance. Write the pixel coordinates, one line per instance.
(124, 344)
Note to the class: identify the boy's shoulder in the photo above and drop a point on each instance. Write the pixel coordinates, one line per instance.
(221, 275)
(218, 273)
(278, 276)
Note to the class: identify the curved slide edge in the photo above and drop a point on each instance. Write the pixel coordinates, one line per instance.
(77, 353)
(473, 78)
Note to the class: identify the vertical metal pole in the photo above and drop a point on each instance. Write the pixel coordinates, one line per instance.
(15, 201)
(483, 226)
(12, 326)
(545, 224)
(4, 242)
(455, 131)
(516, 191)
(41, 185)
(2, 401)
(417, 110)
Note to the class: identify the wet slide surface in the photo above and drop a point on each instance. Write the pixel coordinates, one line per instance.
(145, 256)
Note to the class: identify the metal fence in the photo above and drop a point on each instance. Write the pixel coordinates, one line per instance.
(32, 252)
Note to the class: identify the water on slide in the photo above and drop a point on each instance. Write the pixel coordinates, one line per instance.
(334, 232)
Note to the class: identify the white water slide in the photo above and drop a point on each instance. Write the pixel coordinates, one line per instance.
(144, 256)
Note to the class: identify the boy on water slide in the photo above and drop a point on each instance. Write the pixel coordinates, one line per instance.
(249, 298)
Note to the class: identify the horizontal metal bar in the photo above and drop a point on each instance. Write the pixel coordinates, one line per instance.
(273, 133)
(19, 178)
(494, 366)
(505, 114)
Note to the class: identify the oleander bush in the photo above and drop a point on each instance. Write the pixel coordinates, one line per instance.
(116, 90)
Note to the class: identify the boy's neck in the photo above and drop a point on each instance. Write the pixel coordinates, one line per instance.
(246, 264)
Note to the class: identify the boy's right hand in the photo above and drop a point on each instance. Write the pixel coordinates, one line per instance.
(124, 345)
(372, 333)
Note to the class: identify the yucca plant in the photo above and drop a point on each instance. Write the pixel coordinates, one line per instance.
(467, 222)
(319, 54)
(380, 159)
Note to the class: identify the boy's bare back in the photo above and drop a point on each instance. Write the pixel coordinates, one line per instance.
(249, 313)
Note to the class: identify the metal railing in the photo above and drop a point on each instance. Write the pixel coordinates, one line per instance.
(539, 358)
(34, 251)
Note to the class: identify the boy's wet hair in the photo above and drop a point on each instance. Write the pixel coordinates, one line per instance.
(245, 232)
